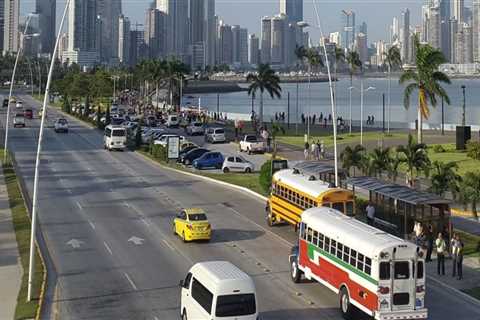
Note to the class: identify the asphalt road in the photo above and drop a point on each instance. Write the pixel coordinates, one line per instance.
(92, 202)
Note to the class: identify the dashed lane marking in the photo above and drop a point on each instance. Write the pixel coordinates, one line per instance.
(131, 282)
(168, 245)
(79, 205)
(91, 224)
(108, 248)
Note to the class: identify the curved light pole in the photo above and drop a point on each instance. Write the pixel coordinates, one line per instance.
(11, 89)
(362, 92)
(37, 162)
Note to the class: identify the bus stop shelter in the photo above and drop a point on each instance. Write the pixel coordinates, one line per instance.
(321, 171)
(398, 207)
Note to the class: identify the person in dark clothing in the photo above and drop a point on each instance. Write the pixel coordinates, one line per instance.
(325, 122)
(313, 119)
(373, 120)
(321, 117)
(428, 258)
(303, 118)
(457, 256)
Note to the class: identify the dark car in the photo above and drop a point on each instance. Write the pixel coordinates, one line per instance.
(190, 156)
(5, 103)
(28, 113)
(185, 151)
(209, 160)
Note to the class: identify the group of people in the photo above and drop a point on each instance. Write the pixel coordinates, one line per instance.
(424, 237)
(371, 120)
(314, 151)
(280, 116)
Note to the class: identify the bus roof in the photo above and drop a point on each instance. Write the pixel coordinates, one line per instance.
(313, 188)
(350, 231)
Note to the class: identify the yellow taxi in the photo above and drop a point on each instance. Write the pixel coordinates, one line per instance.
(192, 224)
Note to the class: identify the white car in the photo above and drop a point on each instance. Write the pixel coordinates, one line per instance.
(237, 163)
(19, 105)
(19, 120)
(172, 121)
(163, 140)
(214, 135)
(152, 134)
(61, 125)
(195, 128)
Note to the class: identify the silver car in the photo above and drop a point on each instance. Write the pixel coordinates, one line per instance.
(195, 128)
(214, 135)
(237, 163)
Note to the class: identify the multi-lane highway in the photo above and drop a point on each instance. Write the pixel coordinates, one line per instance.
(107, 222)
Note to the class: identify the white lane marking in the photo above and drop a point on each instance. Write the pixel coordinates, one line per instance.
(146, 222)
(69, 191)
(91, 224)
(108, 248)
(79, 205)
(168, 245)
(131, 282)
(286, 242)
(155, 318)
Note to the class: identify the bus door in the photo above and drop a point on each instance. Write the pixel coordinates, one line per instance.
(403, 285)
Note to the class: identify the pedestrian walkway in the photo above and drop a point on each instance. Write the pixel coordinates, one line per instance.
(10, 268)
(471, 273)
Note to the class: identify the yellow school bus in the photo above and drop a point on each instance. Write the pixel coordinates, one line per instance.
(293, 192)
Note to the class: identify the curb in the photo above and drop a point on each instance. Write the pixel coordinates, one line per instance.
(460, 292)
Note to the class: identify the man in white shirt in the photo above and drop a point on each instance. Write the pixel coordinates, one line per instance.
(370, 213)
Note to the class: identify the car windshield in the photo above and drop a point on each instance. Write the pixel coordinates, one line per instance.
(62, 121)
(235, 305)
(197, 217)
(119, 133)
(251, 139)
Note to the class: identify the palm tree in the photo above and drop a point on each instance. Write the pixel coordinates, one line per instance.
(174, 74)
(314, 60)
(414, 156)
(470, 190)
(393, 163)
(157, 73)
(445, 178)
(276, 130)
(352, 157)
(353, 61)
(264, 79)
(339, 57)
(426, 79)
(300, 53)
(393, 60)
(379, 160)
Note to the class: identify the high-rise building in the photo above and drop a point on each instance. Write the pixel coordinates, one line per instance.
(109, 11)
(362, 48)
(225, 38)
(425, 22)
(293, 9)
(11, 21)
(253, 50)
(243, 46)
(348, 29)
(395, 30)
(2, 23)
(203, 31)
(155, 33)
(445, 27)
(405, 39)
(83, 34)
(476, 30)
(124, 40)
(459, 11)
(137, 46)
(279, 23)
(47, 11)
(453, 40)
(266, 50)
(177, 27)
(434, 28)
(464, 44)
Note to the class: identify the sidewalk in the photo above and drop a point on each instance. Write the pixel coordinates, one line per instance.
(471, 273)
(10, 268)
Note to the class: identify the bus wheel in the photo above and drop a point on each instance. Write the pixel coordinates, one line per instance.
(295, 273)
(270, 220)
(345, 306)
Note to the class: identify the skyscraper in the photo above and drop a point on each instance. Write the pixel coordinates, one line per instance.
(476, 30)
(253, 49)
(362, 48)
(2, 23)
(459, 11)
(278, 39)
(445, 27)
(225, 38)
(155, 33)
(203, 29)
(434, 28)
(47, 11)
(266, 50)
(124, 40)
(405, 36)
(348, 29)
(177, 31)
(293, 9)
(453, 40)
(109, 12)
(11, 20)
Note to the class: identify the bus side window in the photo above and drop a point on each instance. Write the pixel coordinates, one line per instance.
(333, 247)
(346, 254)
(309, 235)
(384, 271)
(419, 270)
(320, 241)
(303, 234)
(353, 258)
(360, 258)
(315, 238)
(368, 266)
(339, 250)
(327, 244)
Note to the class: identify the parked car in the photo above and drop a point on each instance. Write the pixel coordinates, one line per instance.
(192, 155)
(19, 105)
(195, 128)
(237, 163)
(209, 160)
(214, 135)
(150, 134)
(172, 121)
(28, 113)
(250, 144)
(163, 140)
(192, 224)
(19, 120)
(151, 121)
(61, 125)
(5, 103)
(186, 150)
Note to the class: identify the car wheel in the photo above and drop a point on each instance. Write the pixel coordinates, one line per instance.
(249, 151)
(270, 220)
(187, 162)
(226, 170)
(295, 273)
(248, 170)
(346, 308)
(174, 229)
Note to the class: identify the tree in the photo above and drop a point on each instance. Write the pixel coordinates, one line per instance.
(352, 157)
(393, 162)
(263, 80)
(414, 156)
(444, 178)
(265, 177)
(276, 130)
(339, 57)
(379, 158)
(174, 75)
(393, 60)
(353, 61)
(470, 190)
(426, 79)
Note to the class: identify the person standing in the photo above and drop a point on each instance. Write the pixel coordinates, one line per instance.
(315, 152)
(457, 255)
(441, 250)
(428, 258)
(370, 213)
(322, 150)
(306, 151)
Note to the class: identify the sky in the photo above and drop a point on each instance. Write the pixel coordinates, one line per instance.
(378, 14)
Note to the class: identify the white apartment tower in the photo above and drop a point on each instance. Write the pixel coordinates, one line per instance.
(11, 20)
(124, 40)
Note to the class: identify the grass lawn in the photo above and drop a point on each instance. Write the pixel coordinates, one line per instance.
(474, 292)
(353, 138)
(250, 181)
(465, 164)
(21, 223)
(471, 242)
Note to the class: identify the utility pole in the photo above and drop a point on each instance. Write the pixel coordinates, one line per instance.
(463, 107)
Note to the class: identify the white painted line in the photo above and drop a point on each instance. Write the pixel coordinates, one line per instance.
(146, 222)
(79, 205)
(131, 282)
(91, 224)
(108, 248)
(168, 245)
(69, 191)
(155, 318)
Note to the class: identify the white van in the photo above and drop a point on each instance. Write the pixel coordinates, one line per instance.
(218, 290)
(172, 121)
(115, 138)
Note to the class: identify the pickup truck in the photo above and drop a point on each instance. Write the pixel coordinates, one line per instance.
(251, 144)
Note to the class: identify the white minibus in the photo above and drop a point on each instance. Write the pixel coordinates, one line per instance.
(218, 290)
(115, 138)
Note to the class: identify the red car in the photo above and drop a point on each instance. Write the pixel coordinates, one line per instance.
(28, 113)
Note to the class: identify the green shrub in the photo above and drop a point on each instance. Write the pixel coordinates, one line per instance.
(265, 177)
(438, 148)
(473, 150)
(159, 152)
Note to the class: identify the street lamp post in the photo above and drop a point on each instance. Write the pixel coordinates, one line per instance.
(362, 92)
(37, 162)
(463, 107)
(350, 111)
